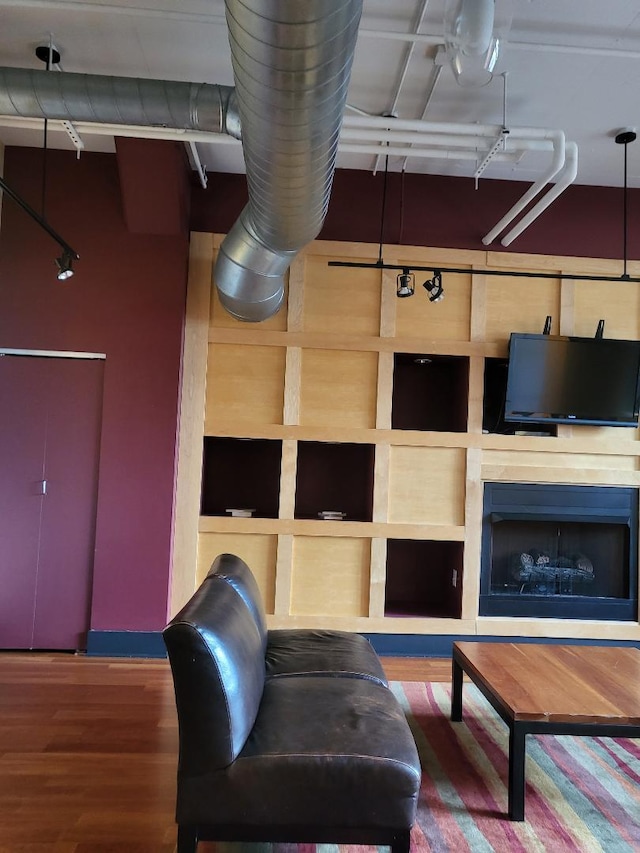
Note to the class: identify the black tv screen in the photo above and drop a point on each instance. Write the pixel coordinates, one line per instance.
(571, 380)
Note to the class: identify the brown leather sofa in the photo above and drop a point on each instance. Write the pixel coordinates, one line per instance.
(285, 736)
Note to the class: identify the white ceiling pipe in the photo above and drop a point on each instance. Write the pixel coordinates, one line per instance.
(135, 131)
(567, 177)
(426, 130)
(346, 136)
(461, 140)
(469, 129)
(437, 38)
(372, 147)
(408, 151)
(557, 163)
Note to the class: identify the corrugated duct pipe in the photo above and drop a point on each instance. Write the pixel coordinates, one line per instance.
(118, 100)
(291, 62)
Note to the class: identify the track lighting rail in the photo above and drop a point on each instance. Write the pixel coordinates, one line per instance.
(466, 271)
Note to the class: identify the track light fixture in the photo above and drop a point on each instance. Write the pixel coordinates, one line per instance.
(68, 254)
(434, 287)
(65, 265)
(406, 283)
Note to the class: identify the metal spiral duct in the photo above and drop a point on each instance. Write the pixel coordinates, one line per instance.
(118, 100)
(292, 62)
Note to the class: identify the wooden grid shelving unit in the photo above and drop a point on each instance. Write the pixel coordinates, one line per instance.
(330, 388)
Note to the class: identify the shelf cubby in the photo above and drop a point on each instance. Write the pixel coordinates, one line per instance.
(430, 392)
(239, 473)
(424, 578)
(336, 477)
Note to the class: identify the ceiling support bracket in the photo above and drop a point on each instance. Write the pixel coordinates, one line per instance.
(196, 162)
(498, 145)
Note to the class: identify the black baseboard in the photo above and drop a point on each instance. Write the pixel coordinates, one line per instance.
(126, 644)
(440, 645)
(149, 644)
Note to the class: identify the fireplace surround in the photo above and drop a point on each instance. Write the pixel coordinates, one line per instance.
(559, 551)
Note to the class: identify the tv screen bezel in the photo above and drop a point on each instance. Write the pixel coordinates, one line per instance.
(607, 419)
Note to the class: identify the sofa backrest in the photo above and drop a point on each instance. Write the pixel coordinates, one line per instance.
(217, 661)
(238, 574)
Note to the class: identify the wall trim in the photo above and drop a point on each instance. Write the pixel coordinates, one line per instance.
(49, 353)
(126, 644)
(440, 645)
(149, 644)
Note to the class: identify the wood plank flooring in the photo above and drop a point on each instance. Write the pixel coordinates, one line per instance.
(88, 750)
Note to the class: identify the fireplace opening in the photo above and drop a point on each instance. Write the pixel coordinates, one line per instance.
(566, 552)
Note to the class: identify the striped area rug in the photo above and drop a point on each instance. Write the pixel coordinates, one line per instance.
(582, 793)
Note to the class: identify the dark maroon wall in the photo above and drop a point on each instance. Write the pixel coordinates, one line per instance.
(428, 210)
(127, 300)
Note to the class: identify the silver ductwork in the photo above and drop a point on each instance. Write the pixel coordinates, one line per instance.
(291, 62)
(118, 100)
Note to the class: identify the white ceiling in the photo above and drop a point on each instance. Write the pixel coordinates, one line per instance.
(572, 65)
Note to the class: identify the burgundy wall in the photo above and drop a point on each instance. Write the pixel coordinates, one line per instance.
(127, 300)
(428, 210)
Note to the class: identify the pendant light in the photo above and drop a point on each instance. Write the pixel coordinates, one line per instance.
(624, 137)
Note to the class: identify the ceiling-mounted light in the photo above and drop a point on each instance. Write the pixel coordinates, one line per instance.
(406, 283)
(474, 33)
(434, 287)
(68, 255)
(65, 266)
(624, 137)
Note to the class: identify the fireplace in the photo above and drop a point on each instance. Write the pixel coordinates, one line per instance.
(566, 552)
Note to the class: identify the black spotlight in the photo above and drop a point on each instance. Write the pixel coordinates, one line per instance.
(434, 287)
(65, 266)
(406, 283)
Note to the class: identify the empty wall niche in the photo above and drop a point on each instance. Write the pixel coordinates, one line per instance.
(424, 578)
(495, 392)
(334, 478)
(242, 475)
(430, 392)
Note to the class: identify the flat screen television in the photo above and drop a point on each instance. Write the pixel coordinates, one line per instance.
(571, 380)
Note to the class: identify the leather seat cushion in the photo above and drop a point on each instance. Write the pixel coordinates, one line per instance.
(310, 652)
(322, 751)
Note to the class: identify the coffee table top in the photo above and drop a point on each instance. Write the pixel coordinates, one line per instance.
(557, 683)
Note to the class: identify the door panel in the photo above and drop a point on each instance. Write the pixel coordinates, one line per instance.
(50, 414)
(22, 442)
(63, 588)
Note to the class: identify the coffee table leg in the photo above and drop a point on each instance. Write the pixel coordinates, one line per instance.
(517, 745)
(456, 692)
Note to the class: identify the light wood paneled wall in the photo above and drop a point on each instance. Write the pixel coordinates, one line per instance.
(322, 370)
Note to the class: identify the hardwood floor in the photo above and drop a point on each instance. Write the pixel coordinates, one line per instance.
(88, 751)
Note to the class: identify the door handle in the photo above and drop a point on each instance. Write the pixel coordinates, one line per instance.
(43, 487)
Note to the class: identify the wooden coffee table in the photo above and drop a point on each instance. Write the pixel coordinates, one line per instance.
(545, 689)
